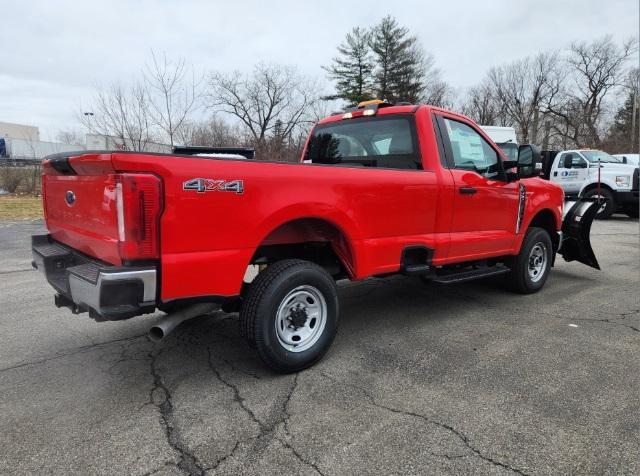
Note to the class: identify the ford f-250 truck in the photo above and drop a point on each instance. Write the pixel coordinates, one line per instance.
(379, 190)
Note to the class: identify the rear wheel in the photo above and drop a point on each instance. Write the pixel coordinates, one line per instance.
(606, 202)
(530, 269)
(290, 314)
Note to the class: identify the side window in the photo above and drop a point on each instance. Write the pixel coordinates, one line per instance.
(470, 150)
(577, 162)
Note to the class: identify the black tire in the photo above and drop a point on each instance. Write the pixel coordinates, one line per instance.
(266, 296)
(609, 202)
(520, 278)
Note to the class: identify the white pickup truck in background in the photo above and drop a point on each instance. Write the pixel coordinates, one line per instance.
(576, 171)
(633, 159)
(596, 174)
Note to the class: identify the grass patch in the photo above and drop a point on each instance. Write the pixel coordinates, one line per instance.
(20, 207)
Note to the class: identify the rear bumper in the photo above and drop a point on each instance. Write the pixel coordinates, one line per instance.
(83, 284)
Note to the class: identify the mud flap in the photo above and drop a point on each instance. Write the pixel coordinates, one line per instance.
(576, 226)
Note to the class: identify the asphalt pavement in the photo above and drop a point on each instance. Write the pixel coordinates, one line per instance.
(420, 380)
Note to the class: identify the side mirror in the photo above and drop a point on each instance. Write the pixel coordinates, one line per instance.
(567, 161)
(528, 156)
(624, 159)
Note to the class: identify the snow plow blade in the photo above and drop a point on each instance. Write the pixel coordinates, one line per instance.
(576, 226)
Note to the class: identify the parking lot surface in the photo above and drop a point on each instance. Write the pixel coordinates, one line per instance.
(420, 380)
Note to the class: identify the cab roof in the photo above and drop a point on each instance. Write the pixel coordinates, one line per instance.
(382, 111)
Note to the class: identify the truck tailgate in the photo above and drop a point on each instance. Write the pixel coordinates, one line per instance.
(79, 198)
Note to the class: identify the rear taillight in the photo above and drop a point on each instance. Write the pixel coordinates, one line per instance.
(43, 192)
(138, 205)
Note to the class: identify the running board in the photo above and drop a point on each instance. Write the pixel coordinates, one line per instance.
(471, 275)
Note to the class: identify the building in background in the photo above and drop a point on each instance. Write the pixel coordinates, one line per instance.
(22, 143)
(10, 130)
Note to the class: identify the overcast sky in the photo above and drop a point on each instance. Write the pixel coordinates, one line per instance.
(52, 53)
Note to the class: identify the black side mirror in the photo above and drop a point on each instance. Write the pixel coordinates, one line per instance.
(567, 161)
(624, 159)
(528, 156)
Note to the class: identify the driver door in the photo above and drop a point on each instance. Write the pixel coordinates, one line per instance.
(571, 178)
(485, 211)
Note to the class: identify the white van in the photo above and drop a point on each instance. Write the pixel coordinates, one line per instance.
(505, 138)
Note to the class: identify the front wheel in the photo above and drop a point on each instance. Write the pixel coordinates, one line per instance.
(290, 314)
(606, 202)
(530, 269)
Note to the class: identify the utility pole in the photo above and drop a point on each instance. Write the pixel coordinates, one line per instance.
(634, 133)
(535, 125)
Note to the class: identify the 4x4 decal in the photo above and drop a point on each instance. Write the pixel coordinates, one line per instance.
(202, 185)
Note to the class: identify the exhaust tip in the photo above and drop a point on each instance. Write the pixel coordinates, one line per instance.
(156, 334)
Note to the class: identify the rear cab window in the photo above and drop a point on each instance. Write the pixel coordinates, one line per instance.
(380, 142)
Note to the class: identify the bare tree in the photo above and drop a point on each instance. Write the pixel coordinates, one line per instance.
(121, 114)
(213, 133)
(523, 88)
(32, 173)
(71, 136)
(481, 105)
(272, 96)
(173, 92)
(438, 93)
(596, 70)
(432, 88)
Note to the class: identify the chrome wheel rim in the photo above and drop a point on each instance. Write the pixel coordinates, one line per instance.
(602, 201)
(301, 318)
(537, 262)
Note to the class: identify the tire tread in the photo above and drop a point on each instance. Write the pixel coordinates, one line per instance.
(516, 280)
(254, 298)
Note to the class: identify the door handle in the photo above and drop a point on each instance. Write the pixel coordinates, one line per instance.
(467, 190)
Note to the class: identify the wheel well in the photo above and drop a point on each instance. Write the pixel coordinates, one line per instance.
(592, 186)
(546, 220)
(311, 239)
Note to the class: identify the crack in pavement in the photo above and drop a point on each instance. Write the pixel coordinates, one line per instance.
(609, 320)
(234, 367)
(78, 350)
(266, 431)
(222, 459)
(16, 271)
(157, 470)
(285, 423)
(457, 433)
(188, 462)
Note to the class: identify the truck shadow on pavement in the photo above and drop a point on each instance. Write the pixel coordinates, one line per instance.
(372, 308)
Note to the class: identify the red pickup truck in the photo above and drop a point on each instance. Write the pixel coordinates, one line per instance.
(379, 190)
